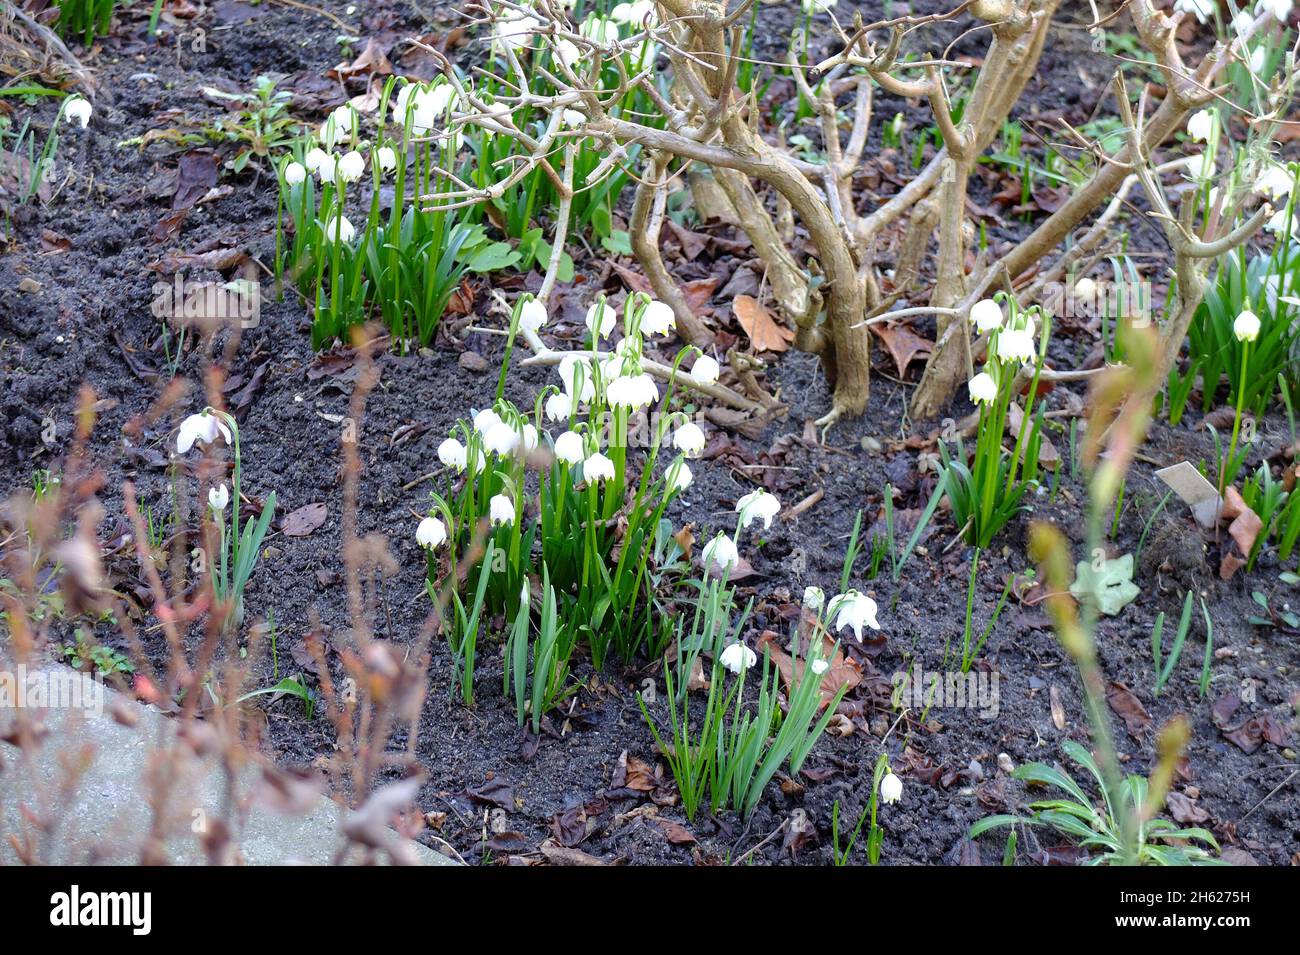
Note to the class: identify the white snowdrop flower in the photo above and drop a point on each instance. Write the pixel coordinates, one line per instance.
(76, 109)
(1015, 344)
(633, 391)
(1246, 326)
(689, 439)
(532, 315)
(819, 666)
(1258, 57)
(597, 467)
(600, 319)
(339, 228)
(453, 454)
(326, 167)
(1085, 290)
(1203, 10)
(573, 118)
(386, 158)
(576, 375)
(203, 428)
(1201, 125)
(569, 448)
(1275, 182)
(559, 407)
(987, 315)
(431, 533)
(294, 173)
(529, 437)
(854, 609)
(657, 318)
(982, 388)
(817, 6)
(681, 476)
(736, 657)
(705, 370)
(352, 166)
(501, 510)
(758, 505)
(485, 419)
(500, 438)
(720, 552)
(1281, 9)
(891, 788)
(218, 497)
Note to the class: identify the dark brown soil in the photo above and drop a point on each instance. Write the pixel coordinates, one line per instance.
(90, 321)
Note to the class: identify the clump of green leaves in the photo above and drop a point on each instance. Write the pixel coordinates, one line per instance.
(1154, 841)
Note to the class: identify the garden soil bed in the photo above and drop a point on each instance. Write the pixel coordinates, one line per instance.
(76, 285)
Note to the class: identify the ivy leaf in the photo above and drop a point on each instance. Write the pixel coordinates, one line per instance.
(1109, 585)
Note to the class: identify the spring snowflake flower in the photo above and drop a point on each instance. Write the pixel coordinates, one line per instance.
(315, 156)
(203, 428)
(575, 370)
(987, 315)
(453, 454)
(1242, 22)
(1201, 125)
(386, 158)
(633, 13)
(597, 467)
(501, 510)
(514, 30)
(1203, 10)
(573, 118)
(819, 666)
(817, 6)
(633, 391)
(431, 533)
(529, 437)
(600, 319)
(1280, 220)
(758, 505)
(1085, 291)
(1281, 9)
(983, 388)
(737, 657)
(891, 788)
(326, 167)
(294, 173)
(566, 51)
(689, 439)
(559, 407)
(1015, 344)
(1258, 57)
(658, 319)
(339, 227)
(485, 419)
(569, 448)
(1275, 182)
(218, 497)
(338, 126)
(854, 609)
(681, 476)
(532, 315)
(500, 438)
(352, 166)
(705, 370)
(599, 30)
(77, 110)
(720, 552)
(1246, 327)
